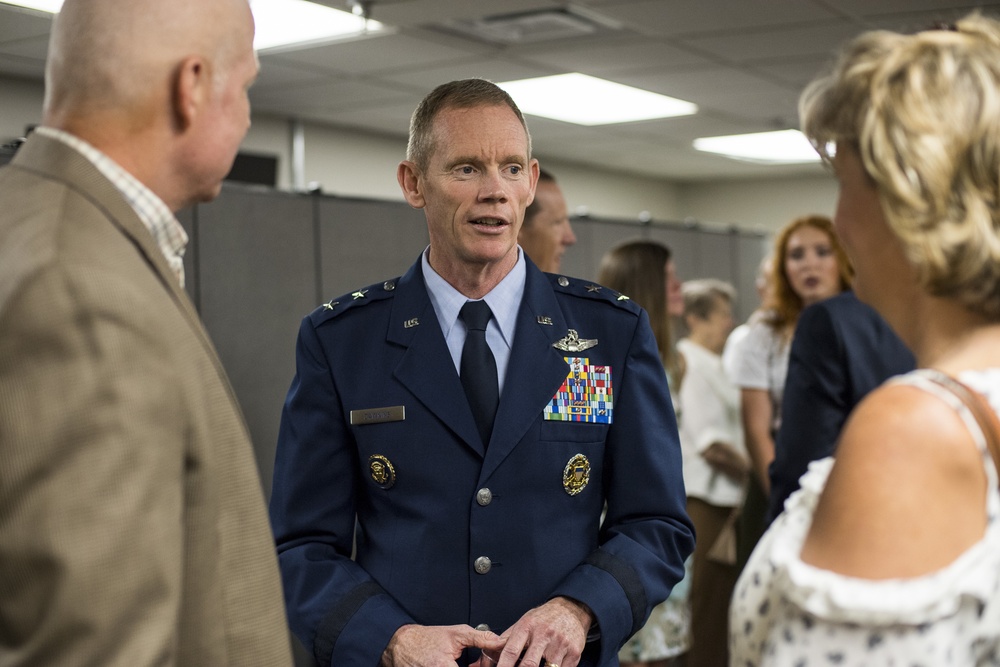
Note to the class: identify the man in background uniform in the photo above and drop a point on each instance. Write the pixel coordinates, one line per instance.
(546, 232)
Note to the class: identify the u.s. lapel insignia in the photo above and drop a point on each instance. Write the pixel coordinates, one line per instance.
(360, 294)
(573, 343)
(383, 474)
(576, 475)
(544, 319)
(410, 323)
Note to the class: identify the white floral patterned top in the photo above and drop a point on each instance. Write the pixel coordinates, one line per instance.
(786, 612)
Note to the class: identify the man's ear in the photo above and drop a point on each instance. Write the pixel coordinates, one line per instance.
(192, 87)
(408, 175)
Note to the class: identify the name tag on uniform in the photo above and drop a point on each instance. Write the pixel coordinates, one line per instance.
(396, 413)
(585, 394)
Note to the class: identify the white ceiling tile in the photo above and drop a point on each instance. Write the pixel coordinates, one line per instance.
(615, 55)
(679, 17)
(739, 94)
(787, 42)
(494, 69)
(383, 53)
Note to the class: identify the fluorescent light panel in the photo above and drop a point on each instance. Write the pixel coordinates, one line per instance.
(779, 147)
(280, 23)
(586, 100)
(283, 23)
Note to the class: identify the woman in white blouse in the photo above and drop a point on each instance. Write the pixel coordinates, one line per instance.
(891, 554)
(715, 461)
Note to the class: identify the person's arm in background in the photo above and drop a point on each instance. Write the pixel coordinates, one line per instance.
(749, 370)
(758, 413)
(705, 416)
(815, 404)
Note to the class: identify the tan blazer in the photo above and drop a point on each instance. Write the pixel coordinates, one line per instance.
(133, 529)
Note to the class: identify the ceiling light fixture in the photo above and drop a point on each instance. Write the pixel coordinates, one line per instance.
(778, 147)
(281, 24)
(285, 24)
(586, 100)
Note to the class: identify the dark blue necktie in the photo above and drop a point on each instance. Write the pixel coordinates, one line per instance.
(478, 369)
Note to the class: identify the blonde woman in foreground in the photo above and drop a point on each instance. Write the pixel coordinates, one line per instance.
(891, 555)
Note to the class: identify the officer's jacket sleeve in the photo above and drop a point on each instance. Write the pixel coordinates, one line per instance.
(329, 598)
(646, 535)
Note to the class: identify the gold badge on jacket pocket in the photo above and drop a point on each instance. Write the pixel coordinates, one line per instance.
(576, 474)
(585, 394)
(382, 471)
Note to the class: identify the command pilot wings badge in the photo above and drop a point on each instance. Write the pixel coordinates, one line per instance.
(573, 343)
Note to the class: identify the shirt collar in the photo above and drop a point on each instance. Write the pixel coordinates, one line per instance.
(154, 214)
(504, 299)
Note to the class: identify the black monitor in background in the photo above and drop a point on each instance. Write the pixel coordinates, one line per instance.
(255, 168)
(8, 149)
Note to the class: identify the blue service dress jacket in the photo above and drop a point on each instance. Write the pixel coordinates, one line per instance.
(378, 449)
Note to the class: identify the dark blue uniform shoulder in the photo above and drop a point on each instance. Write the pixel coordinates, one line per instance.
(352, 300)
(585, 289)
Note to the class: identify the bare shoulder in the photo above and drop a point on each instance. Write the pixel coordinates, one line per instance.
(906, 495)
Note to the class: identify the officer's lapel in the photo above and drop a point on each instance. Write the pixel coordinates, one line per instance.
(426, 368)
(535, 371)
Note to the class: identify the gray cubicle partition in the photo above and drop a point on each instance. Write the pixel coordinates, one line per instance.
(259, 260)
(364, 241)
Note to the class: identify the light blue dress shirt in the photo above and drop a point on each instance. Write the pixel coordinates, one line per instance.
(504, 300)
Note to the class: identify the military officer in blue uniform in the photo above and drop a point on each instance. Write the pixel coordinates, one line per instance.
(412, 529)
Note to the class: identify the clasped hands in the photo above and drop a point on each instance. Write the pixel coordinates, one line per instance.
(555, 631)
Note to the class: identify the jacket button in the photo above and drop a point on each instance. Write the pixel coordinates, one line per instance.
(484, 497)
(482, 627)
(483, 565)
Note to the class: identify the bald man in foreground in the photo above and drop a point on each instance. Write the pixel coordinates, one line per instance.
(132, 523)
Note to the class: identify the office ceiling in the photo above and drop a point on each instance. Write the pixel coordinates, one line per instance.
(743, 62)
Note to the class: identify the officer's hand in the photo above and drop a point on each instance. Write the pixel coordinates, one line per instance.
(556, 631)
(435, 645)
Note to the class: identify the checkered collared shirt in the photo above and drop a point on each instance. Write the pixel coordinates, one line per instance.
(154, 214)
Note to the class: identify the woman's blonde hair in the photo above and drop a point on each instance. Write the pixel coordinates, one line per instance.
(638, 269)
(782, 305)
(923, 112)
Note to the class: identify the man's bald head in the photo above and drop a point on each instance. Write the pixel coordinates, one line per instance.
(113, 55)
(160, 87)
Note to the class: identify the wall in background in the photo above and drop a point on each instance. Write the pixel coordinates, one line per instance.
(352, 164)
(20, 105)
(763, 203)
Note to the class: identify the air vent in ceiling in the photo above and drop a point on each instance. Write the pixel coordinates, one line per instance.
(537, 26)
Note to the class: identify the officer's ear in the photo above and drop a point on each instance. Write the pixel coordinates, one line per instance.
(408, 174)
